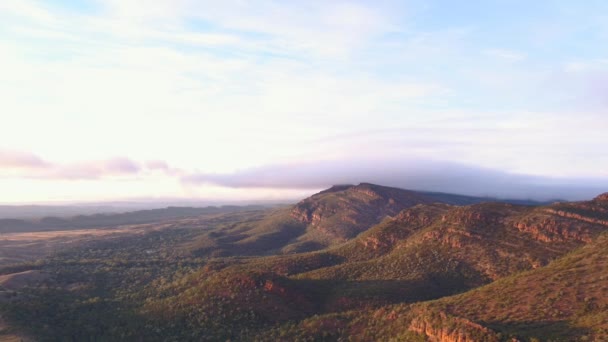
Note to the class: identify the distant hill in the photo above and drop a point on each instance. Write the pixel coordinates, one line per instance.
(325, 219)
(38, 211)
(20, 218)
(342, 212)
(112, 219)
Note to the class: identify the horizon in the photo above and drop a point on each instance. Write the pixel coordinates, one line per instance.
(161, 203)
(122, 101)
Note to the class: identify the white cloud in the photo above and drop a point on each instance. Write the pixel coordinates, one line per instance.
(319, 28)
(139, 93)
(10, 160)
(213, 87)
(29, 10)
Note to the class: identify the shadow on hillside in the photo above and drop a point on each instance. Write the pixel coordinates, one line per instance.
(259, 244)
(51, 315)
(333, 296)
(542, 330)
(259, 299)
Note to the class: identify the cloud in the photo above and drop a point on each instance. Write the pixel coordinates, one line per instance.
(410, 173)
(29, 165)
(94, 169)
(157, 165)
(231, 84)
(163, 167)
(20, 160)
(29, 10)
(316, 27)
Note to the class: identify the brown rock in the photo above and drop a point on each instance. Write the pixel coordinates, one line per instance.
(602, 198)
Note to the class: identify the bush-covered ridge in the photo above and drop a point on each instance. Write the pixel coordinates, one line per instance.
(483, 272)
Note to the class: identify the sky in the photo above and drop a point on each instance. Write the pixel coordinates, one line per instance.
(243, 100)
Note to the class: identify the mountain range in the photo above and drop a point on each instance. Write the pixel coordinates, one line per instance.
(354, 262)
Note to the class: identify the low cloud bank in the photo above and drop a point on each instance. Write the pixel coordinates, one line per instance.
(394, 171)
(20, 160)
(411, 174)
(28, 165)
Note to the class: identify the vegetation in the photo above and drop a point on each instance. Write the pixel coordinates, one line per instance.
(484, 272)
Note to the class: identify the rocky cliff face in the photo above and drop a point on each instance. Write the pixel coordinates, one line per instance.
(577, 221)
(407, 222)
(493, 239)
(552, 229)
(481, 217)
(440, 327)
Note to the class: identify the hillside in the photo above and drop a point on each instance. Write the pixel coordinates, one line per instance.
(325, 219)
(568, 299)
(341, 212)
(417, 270)
(564, 301)
(425, 252)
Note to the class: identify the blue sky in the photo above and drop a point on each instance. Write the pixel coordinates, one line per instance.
(123, 99)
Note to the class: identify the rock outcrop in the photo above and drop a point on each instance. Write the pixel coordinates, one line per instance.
(440, 327)
(602, 198)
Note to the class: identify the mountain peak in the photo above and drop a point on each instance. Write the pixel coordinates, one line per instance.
(343, 211)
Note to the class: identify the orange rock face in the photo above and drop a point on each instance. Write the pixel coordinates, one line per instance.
(442, 328)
